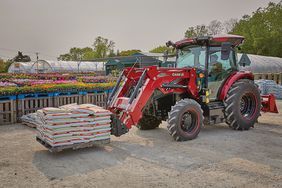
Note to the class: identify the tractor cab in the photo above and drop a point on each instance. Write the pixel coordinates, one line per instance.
(213, 57)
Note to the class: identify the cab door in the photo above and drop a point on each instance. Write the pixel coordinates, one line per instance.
(219, 70)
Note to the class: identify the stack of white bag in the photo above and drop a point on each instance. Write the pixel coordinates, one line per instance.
(31, 120)
(71, 124)
(269, 87)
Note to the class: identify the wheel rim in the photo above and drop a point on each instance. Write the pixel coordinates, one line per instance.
(248, 105)
(189, 122)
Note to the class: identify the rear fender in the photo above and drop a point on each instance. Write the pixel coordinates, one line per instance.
(231, 80)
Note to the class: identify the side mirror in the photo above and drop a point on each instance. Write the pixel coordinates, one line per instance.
(169, 44)
(244, 61)
(225, 50)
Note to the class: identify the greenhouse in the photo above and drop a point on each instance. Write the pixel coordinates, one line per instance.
(44, 66)
(20, 67)
(259, 64)
(263, 64)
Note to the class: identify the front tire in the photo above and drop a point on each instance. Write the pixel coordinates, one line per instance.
(148, 122)
(185, 120)
(242, 105)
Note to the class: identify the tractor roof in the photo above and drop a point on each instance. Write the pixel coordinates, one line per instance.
(235, 40)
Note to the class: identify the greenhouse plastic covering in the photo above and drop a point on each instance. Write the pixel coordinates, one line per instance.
(21, 67)
(43, 66)
(269, 87)
(263, 64)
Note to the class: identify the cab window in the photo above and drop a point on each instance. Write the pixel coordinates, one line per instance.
(219, 68)
(191, 56)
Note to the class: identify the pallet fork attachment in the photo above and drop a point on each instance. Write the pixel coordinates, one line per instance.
(268, 103)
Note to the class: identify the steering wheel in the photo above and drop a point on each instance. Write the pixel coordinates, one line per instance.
(222, 74)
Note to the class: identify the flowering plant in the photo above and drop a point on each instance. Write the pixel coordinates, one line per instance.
(6, 84)
(13, 84)
(45, 88)
(97, 79)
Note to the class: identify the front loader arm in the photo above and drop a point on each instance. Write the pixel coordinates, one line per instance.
(128, 101)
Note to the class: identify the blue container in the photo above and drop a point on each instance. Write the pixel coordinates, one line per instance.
(9, 97)
(109, 90)
(29, 95)
(96, 91)
(61, 93)
(65, 93)
(45, 94)
(82, 93)
(35, 95)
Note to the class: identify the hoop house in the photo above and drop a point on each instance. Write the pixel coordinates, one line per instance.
(45, 66)
(263, 64)
(20, 67)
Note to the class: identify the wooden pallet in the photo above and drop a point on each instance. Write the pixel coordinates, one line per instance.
(55, 149)
(12, 110)
(8, 112)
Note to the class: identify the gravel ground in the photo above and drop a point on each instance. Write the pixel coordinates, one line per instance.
(219, 157)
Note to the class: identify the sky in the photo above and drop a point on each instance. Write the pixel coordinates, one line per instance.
(52, 27)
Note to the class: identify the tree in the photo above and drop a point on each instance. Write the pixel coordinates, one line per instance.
(65, 57)
(215, 27)
(128, 52)
(103, 47)
(76, 54)
(88, 54)
(162, 49)
(4, 65)
(112, 53)
(262, 31)
(118, 52)
(229, 25)
(21, 58)
(197, 31)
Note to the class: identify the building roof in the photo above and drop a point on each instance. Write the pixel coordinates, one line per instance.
(158, 56)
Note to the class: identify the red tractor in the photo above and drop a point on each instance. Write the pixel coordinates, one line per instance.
(206, 87)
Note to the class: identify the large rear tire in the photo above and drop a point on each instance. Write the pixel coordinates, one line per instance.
(148, 122)
(185, 120)
(242, 105)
